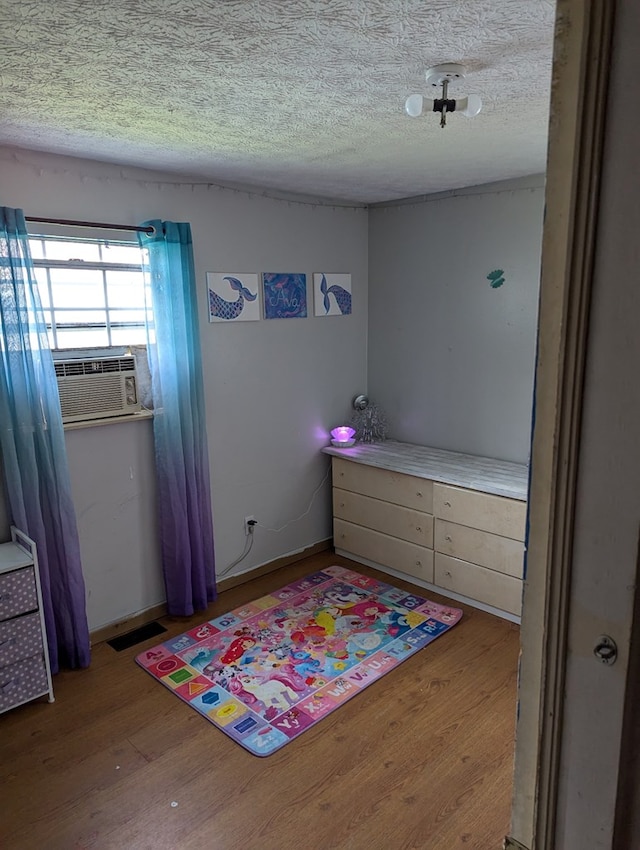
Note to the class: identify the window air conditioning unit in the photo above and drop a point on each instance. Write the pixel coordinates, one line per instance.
(98, 388)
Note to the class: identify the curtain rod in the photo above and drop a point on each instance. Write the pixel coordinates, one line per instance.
(72, 223)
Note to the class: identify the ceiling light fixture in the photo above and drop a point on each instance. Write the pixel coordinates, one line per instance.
(443, 75)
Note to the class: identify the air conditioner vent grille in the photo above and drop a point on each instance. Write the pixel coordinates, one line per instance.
(103, 394)
(98, 388)
(95, 367)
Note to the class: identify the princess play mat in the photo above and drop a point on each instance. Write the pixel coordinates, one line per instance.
(271, 669)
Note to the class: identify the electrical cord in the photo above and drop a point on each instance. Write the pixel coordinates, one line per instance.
(248, 545)
(314, 494)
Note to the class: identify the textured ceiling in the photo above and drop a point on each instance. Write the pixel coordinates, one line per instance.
(302, 96)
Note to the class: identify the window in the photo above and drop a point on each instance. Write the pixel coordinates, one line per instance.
(92, 291)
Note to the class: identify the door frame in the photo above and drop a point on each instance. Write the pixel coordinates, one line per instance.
(582, 53)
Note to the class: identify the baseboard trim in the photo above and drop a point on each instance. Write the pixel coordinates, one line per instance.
(272, 566)
(136, 620)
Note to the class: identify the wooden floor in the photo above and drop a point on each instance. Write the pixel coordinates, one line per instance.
(420, 759)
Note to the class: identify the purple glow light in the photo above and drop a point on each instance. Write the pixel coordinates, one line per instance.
(342, 434)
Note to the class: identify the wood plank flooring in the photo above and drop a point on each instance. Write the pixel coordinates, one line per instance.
(420, 759)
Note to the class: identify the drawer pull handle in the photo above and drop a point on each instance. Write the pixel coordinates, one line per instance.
(419, 493)
(342, 504)
(418, 563)
(447, 537)
(6, 685)
(418, 528)
(447, 504)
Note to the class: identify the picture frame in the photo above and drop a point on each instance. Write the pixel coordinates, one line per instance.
(332, 294)
(223, 306)
(284, 295)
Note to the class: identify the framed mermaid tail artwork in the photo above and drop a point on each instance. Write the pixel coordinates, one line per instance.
(233, 297)
(332, 294)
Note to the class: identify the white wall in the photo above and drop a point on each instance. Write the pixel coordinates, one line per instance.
(273, 388)
(114, 490)
(451, 359)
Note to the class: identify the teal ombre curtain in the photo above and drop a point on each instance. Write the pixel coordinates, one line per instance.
(34, 457)
(182, 457)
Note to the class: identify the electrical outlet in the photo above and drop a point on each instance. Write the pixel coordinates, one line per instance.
(250, 523)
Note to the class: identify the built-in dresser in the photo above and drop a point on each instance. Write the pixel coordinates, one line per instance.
(451, 521)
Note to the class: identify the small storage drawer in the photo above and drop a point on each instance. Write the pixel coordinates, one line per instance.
(22, 681)
(496, 514)
(396, 520)
(488, 586)
(480, 547)
(20, 638)
(18, 593)
(389, 551)
(395, 487)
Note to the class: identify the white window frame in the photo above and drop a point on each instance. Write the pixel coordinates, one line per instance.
(103, 266)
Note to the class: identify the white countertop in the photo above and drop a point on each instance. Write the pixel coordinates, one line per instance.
(498, 477)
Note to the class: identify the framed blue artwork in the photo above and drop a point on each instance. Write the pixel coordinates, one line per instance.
(332, 294)
(285, 295)
(233, 297)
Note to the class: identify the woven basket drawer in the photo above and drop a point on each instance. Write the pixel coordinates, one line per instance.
(22, 681)
(20, 638)
(18, 593)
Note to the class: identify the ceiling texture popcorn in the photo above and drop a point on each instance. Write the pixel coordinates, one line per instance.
(298, 96)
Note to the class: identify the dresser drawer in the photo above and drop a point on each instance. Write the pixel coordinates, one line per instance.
(488, 586)
(18, 593)
(496, 514)
(25, 680)
(20, 638)
(396, 487)
(480, 547)
(382, 549)
(396, 520)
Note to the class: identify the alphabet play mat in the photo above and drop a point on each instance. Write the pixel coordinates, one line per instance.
(269, 670)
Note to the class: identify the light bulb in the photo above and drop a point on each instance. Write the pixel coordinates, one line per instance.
(413, 105)
(471, 105)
